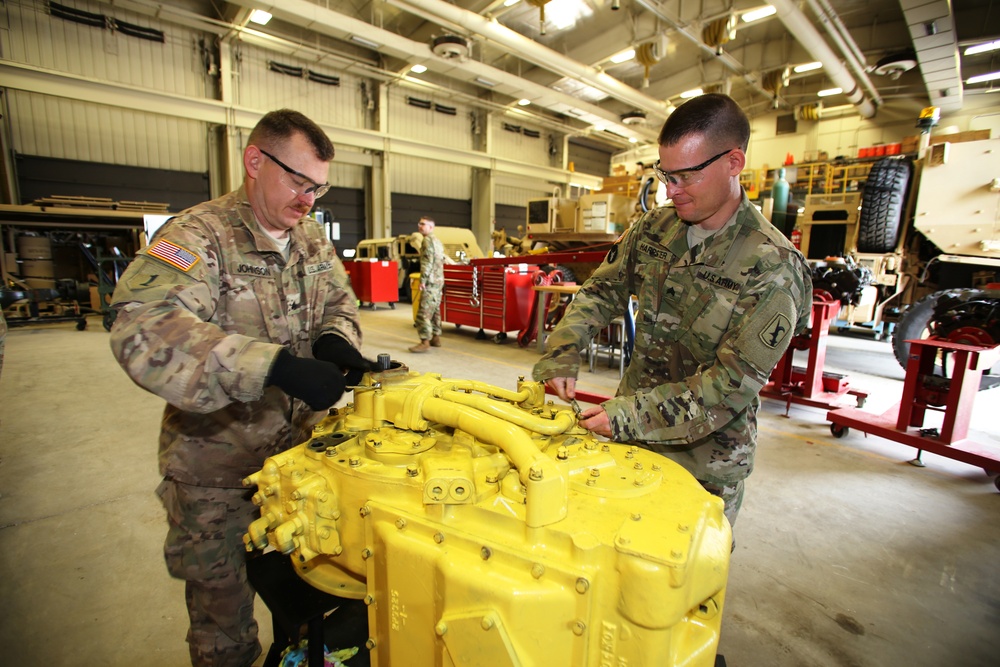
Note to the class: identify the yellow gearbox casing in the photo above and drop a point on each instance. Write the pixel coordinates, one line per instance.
(484, 527)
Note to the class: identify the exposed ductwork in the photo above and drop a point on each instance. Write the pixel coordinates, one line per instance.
(340, 26)
(932, 27)
(807, 35)
(532, 51)
(842, 38)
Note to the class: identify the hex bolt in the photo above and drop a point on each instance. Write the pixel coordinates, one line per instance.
(562, 453)
(582, 585)
(485, 552)
(366, 553)
(674, 553)
(439, 537)
(594, 472)
(338, 550)
(591, 482)
(492, 478)
(657, 467)
(440, 628)
(370, 644)
(487, 623)
(365, 510)
(354, 461)
(535, 474)
(605, 448)
(537, 570)
(590, 445)
(638, 465)
(401, 523)
(412, 470)
(369, 600)
(579, 627)
(636, 516)
(324, 533)
(629, 454)
(331, 451)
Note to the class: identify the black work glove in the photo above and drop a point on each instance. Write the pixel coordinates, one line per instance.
(336, 350)
(319, 383)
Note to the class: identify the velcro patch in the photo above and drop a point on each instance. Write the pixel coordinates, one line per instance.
(173, 254)
(319, 267)
(766, 336)
(720, 281)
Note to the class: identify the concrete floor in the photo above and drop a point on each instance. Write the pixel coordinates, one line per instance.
(846, 555)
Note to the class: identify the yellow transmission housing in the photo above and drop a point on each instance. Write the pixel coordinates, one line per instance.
(483, 526)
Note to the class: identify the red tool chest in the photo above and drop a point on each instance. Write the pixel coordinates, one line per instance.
(496, 297)
(374, 282)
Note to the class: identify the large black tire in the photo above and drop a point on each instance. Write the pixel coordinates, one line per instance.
(883, 205)
(918, 320)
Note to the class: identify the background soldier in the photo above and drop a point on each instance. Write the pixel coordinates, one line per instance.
(432, 261)
(239, 314)
(720, 293)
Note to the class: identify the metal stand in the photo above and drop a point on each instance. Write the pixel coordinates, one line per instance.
(811, 385)
(924, 390)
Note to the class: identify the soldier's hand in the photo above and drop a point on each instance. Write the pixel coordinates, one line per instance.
(596, 420)
(319, 383)
(336, 350)
(564, 388)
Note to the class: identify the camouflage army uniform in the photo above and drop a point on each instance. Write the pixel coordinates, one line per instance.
(202, 314)
(432, 279)
(710, 328)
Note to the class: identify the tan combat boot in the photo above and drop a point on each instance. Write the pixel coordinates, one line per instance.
(435, 341)
(422, 347)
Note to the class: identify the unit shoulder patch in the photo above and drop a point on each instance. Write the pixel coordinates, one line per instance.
(766, 336)
(173, 254)
(776, 331)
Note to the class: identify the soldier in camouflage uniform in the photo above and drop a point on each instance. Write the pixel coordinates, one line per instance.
(239, 314)
(432, 261)
(720, 292)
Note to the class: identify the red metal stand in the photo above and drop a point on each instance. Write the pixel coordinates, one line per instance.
(811, 385)
(922, 391)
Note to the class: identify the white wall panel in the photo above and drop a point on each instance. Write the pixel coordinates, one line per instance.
(73, 130)
(257, 87)
(417, 176)
(346, 175)
(513, 196)
(517, 146)
(428, 125)
(36, 38)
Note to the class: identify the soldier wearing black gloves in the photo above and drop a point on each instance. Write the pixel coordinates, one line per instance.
(240, 316)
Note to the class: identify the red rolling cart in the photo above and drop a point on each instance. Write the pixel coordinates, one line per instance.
(374, 282)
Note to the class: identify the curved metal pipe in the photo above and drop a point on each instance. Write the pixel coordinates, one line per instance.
(809, 37)
(837, 31)
(547, 488)
(562, 422)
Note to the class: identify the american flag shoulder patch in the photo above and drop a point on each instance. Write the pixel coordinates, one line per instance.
(173, 254)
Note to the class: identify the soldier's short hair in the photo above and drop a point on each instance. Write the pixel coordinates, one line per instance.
(279, 125)
(426, 218)
(714, 115)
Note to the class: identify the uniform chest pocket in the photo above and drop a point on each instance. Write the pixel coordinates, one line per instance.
(686, 308)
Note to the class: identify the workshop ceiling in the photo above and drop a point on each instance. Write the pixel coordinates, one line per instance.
(903, 54)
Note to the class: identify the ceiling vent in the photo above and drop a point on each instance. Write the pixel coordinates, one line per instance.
(634, 118)
(895, 64)
(451, 47)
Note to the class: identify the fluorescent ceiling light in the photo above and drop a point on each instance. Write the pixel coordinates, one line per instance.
(524, 102)
(983, 48)
(757, 14)
(992, 76)
(598, 128)
(807, 67)
(694, 92)
(561, 14)
(418, 69)
(365, 42)
(830, 91)
(633, 140)
(260, 17)
(484, 82)
(510, 3)
(618, 58)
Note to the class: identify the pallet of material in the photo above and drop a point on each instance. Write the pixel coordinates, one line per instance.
(151, 206)
(77, 202)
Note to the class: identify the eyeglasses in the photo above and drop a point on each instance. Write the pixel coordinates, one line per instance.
(682, 178)
(298, 182)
